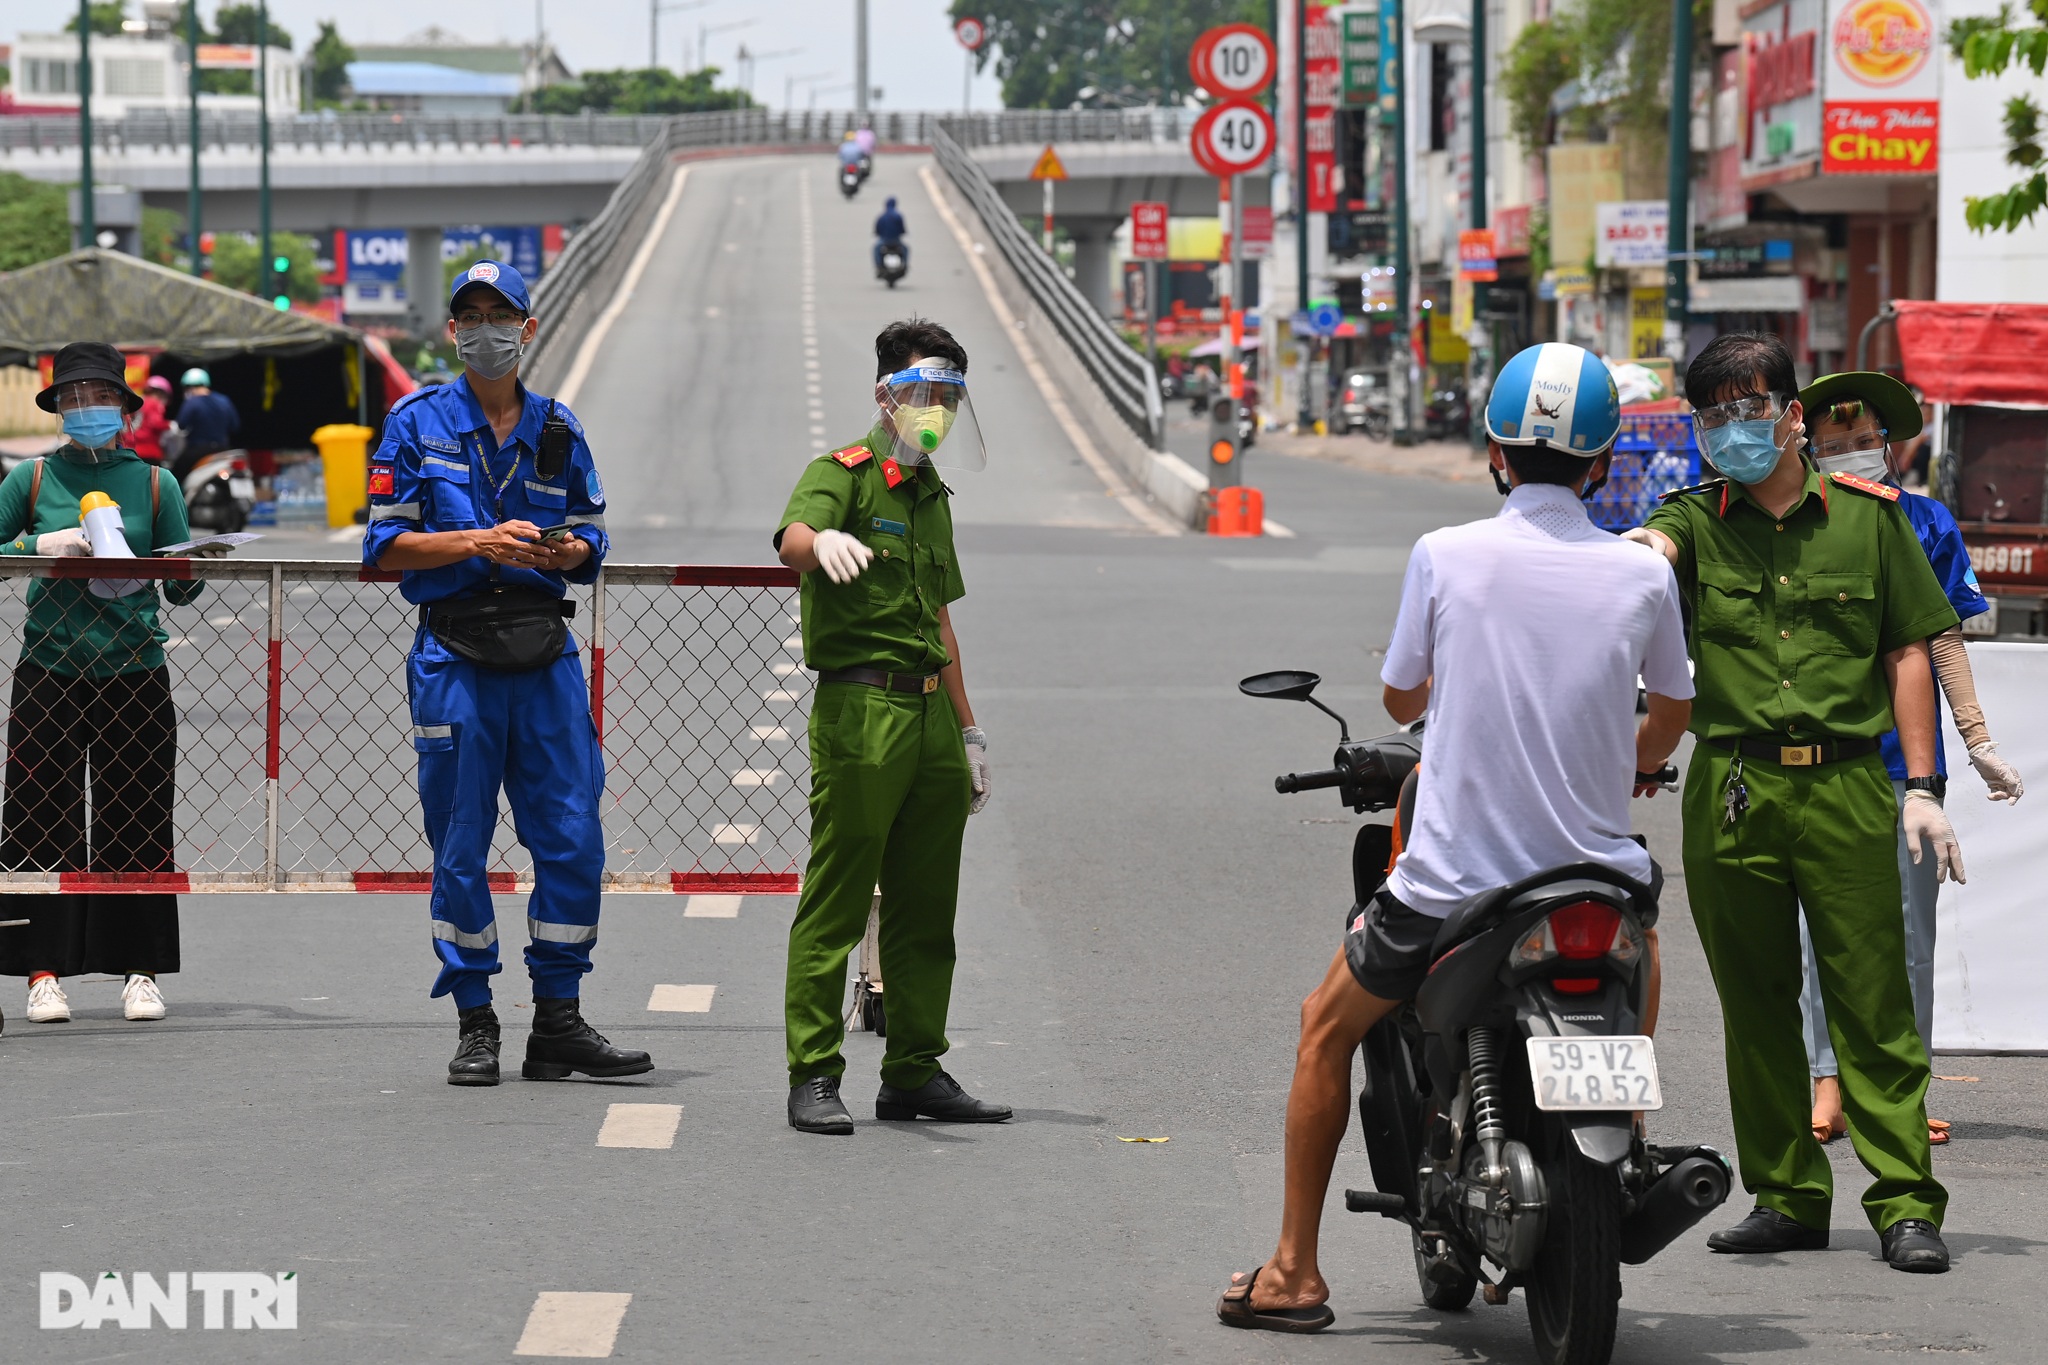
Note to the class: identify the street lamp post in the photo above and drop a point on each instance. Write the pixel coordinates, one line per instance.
(754, 59)
(1306, 415)
(860, 57)
(1678, 188)
(192, 225)
(266, 269)
(88, 225)
(791, 82)
(704, 32)
(655, 9)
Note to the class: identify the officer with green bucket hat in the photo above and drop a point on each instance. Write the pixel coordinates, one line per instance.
(897, 762)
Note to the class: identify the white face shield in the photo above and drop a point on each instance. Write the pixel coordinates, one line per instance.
(924, 417)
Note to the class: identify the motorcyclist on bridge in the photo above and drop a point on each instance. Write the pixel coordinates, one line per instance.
(889, 230)
(1522, 637)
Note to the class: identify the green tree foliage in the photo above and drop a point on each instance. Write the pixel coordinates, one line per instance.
(238, 24)
(237, 264)
(1619, 53)
(1541, 60)
(160, 229)
(34, 221)
(1989, 47)
(1064, 54)
(654, 90)
(106, 18)
(331, 56)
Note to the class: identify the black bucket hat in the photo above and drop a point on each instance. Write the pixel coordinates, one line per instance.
(88, 360)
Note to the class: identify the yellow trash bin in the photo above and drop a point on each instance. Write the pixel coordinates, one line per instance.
(344, 468)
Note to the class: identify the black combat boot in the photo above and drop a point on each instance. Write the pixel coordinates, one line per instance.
(561, 1043)
(476, 1056)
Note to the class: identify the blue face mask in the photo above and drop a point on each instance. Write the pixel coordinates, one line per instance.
(1746, 452)
(93, 427)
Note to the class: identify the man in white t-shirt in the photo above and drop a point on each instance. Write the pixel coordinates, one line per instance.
(1522, 637)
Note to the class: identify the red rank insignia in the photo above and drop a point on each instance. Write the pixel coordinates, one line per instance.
(381, 485)
(852, 455)
(1863, 485)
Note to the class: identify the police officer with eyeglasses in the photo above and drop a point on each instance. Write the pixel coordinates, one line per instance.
(484, 494)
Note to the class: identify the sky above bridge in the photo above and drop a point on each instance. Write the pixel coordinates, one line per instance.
(911, 51)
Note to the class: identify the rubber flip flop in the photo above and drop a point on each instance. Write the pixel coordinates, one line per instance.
(1825, 1133)
(1235, 1309)
(1937, 1132)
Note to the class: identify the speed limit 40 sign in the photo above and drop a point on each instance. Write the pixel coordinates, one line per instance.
(1231, 138)
(1232, 61)
(970, 33)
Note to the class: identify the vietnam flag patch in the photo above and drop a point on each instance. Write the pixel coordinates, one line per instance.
(381, 482)
(1863, 485)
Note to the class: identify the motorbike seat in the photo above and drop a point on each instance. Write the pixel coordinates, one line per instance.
(1482, 913)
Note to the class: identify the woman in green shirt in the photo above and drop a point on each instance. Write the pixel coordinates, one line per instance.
(91, 711)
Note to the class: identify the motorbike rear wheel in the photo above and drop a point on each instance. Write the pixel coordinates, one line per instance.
(1575, 1287)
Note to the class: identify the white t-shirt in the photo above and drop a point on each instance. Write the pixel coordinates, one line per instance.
(1535, 625)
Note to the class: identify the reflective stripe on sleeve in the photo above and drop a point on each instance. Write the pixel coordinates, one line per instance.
(432, 731)
(593, 519)
(445, 464)
(395, 511)
(448, 933)
(545, 932)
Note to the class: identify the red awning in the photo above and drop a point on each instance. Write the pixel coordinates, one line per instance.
(1989, 353)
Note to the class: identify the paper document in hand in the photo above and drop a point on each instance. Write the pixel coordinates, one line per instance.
(227, 540)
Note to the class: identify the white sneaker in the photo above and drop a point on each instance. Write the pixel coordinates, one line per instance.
(47, 1003)
(140, 999)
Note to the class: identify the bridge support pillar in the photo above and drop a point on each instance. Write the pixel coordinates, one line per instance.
(1091, 267)
(426, 308)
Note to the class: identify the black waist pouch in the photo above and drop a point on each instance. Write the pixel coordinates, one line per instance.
(505, 630)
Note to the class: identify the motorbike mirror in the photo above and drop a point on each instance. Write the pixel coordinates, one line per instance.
(1289, 684)
(1285, 685)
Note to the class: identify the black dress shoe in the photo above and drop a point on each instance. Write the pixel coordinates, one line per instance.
(476, 1056)
(814, 1107)
(1767, 1230)
(938, 1098)
(1914, 1245)
(561, 1043)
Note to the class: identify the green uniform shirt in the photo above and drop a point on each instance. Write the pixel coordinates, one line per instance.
(887, 618)
(70, 630)
(1791, 616)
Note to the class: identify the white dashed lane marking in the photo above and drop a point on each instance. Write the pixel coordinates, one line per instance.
(712, 907)
(651, 1126)
(581, 1326)
(682, 999)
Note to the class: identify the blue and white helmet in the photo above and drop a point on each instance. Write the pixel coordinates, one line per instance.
(1557, 395)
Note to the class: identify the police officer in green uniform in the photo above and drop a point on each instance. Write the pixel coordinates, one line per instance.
(897, 762)
(1812, 603)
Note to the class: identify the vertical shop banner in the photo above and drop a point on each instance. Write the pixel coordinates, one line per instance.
(1781, 135)
(1362, 54)
(1254, 232)
(1148, 231)
(1325, 73)
(1476, 258)
(1511, 231)
(1882, 114)
(1645, 323)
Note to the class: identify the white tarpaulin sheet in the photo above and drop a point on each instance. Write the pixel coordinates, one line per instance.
(1991, 947)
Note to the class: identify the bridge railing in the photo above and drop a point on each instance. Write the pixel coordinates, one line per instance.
(1125, 377)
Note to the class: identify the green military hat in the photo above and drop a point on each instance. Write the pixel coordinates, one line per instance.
(1891, 400)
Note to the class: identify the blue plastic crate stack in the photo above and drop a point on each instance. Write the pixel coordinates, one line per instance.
(1654, 454)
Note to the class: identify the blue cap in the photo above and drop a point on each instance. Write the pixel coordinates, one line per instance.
(498, 276)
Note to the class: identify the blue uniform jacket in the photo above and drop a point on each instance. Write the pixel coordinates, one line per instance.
(439, 468)
(889, 227)
(209, 420)
(1943, 541)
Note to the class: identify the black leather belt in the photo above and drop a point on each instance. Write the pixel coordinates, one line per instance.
(888, 682)
(1799, 755)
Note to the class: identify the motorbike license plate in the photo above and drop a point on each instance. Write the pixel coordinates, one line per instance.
(1594, 1073)
(244, 489)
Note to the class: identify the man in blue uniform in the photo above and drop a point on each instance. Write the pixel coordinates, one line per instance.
(485, 495)
(889, 230)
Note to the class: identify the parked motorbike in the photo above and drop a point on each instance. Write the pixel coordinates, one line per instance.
(895, 265)
(1447, 417)
(219, 491)
(1498, 1105)
(1364, 405)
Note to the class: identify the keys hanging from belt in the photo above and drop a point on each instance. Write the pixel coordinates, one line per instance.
(1735, 794)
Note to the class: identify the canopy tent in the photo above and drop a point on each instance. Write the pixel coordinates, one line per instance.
(288, 373)
(1987, 354)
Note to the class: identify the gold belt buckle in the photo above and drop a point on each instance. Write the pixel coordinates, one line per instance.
(931, 683)
(1805, 756)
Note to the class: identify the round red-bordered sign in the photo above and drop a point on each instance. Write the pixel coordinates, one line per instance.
(1232, 61)
(1231, 138)
(970, 33)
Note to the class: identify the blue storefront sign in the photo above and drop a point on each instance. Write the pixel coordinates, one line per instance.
(377, 255)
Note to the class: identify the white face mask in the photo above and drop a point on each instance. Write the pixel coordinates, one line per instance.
(1864, 464)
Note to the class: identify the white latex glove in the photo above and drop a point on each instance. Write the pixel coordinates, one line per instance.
(67, 542)
(841, 556)
(213, 551)
(1924, 819)
(1999, 775)
(977, 767)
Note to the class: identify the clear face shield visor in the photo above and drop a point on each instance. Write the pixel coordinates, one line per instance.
(925, 417)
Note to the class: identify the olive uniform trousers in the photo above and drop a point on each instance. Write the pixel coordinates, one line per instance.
(889, 794)
(1826, 837)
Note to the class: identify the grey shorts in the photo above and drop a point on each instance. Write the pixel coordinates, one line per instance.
(1387, 946)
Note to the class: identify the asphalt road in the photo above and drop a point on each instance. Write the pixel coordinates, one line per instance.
(1140, 916)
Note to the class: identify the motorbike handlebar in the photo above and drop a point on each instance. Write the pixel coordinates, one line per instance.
(1289, 783)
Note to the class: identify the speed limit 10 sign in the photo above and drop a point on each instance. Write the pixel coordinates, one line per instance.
(1232, 61)
(1232, 137)
(970, 33)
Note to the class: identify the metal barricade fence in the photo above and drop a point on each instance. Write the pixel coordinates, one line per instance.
(295, 769)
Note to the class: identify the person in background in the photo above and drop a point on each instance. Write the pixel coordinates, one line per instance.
(210, 420)
(889, 230)
(92, 738)
(147, 427)
(1863, 426)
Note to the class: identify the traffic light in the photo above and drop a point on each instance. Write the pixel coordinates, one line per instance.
(1223, 442)
(281, 265)
(283, 303)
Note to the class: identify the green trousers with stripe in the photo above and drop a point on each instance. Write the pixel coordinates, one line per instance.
(889, 794)
(1825, 837)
